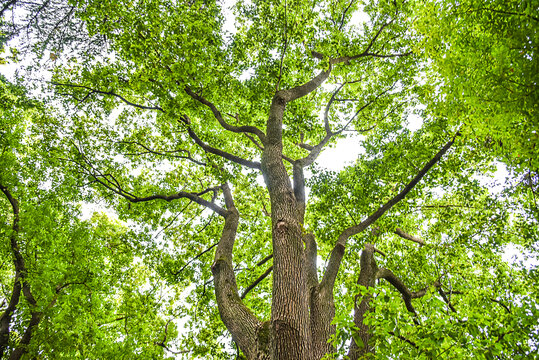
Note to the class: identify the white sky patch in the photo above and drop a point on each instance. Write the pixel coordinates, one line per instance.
(344, 153)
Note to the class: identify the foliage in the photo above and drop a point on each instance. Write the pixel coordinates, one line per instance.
(174, 123)
(90, 289)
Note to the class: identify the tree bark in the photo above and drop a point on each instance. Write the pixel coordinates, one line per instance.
(290, 308)
(367, 278)
(241, 323)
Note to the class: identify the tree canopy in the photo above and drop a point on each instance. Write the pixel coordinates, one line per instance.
(197, 126)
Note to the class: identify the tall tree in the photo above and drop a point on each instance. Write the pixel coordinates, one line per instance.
(182, 122)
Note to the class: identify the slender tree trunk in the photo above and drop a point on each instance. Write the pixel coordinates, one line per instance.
(367, 278)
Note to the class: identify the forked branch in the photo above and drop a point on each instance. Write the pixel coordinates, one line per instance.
(338, 251)
(398, 284)
(110, 182)
(218, 152)
(217, 114)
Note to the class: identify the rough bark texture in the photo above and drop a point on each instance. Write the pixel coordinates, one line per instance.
(289, 311)
(367, 278)
(241, 323)
(302, 307)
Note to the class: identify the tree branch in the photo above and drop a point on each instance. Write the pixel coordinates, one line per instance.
(219, 152)
(256, 282)
(217, 114)
(193, 259)
(407, 295)
(237, 318)
(94, 91)
(112, 184)
(338, 251)
(407, 236)
(170, 153)
(5, 318)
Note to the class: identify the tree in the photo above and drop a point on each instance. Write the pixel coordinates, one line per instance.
(183, 117)
(70, 288)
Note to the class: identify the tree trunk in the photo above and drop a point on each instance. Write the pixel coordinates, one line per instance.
(367, 278)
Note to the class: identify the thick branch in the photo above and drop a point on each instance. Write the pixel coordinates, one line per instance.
(22, 347)
(237, 318)
(302, 90)
(407, 236)
(367, 279)
(338, 251)
(5, 318)
(217, 114)
(221, 153)
(20, 277)
(407, 295)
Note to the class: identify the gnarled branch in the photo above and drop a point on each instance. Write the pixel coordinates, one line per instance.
(217, 114)
(219, 152)
(237, 318)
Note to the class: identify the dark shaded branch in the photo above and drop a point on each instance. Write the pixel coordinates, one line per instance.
(22, 347)
(264, 260)
(407, 295)
(502, 305)
(193, 259)
(407, 236)
(404, 339)
(344, 14)
(338, 251)
(163, 342)
(219, 152)
(20, 277)
(170, 153)
(217, 114)
(6, 6)
(367, 279)
(367, 52)
(112, 184)
(503, 12)
(445, 298)
(256, 282)
(111, 93)
(7, 315)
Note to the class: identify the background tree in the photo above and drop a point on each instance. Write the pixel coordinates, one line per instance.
(212, 137)
(70, 288)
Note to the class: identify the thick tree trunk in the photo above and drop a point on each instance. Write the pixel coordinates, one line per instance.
(289, 311)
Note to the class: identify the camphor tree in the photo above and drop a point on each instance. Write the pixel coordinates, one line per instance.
(210, 138)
